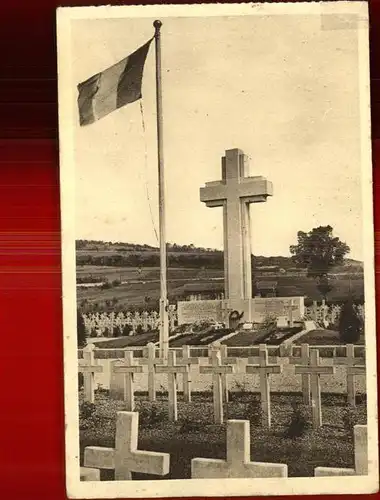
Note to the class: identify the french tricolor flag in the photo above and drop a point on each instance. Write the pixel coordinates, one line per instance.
(112, 88)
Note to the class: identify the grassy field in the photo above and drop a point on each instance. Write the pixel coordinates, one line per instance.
(195, 435)
(148, 273)
(145, 283)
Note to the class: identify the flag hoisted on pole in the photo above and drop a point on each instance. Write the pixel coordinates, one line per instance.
(111, 89)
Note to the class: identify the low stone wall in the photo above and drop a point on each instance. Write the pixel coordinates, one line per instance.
(284, 382)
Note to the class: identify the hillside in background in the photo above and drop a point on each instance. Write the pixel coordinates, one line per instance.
(119, 254)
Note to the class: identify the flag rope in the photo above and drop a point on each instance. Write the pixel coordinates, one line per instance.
(146, 168)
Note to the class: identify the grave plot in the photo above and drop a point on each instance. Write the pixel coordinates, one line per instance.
(201, 338)
(255, 337)
(134, 340)
(195, 434)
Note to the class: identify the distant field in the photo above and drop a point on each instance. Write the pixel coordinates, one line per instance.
(146, 283)
(135, 273)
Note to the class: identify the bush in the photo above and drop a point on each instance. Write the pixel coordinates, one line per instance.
(81, 330)
(350, 323)
(86, 410)
(106, 285)
(151, 415)
(80, 381)
(126, 330)
(299, 421)
(139, 330)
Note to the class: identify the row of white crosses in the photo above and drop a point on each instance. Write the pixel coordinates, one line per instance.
(125, 458)
(221, 366)
(354, 366)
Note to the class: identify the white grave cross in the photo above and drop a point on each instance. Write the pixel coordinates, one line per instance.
(188, 361)
(355, 366)
(89, 368)
(238, 464)
(151, 361)
(125, 458)
(361, 457)
(304, 360)
(129, 369)
(315, 371)
(264, 369)
(217, 370)
(234, 193)
(172, 369)
(225, 361)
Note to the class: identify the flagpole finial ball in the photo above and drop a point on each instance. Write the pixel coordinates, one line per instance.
(157, 24)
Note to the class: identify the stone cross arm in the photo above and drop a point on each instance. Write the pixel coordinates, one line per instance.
(251, 189)
(99, 457)
(356, 370)
(348, 361)
(188, 361)
(150, 362)
(127, 369)
(208, 468)
(315, 370)
(267, 369)
(90, 369)
(148, 462)
(222, 370)
(172, 369)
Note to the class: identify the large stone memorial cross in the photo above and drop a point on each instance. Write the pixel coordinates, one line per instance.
(217, 371)
(89, 368)
(315, 371)
(264, 369)
(125, 458)
(128, 369)
(234, 193)
(172, 369)
(238, 463)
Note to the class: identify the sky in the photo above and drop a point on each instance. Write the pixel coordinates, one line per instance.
(281, 88)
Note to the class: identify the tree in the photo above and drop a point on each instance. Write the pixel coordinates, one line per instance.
(81, 330)
(350, 324)
(319, 251)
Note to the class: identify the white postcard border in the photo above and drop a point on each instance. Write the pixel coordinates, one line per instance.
(198, 487)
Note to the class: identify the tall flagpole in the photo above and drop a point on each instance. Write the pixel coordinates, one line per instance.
(164, 320)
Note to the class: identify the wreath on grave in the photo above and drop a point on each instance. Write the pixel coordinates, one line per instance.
(234, 315)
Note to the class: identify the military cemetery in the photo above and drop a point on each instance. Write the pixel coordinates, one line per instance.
(224, 325)
(229, 369)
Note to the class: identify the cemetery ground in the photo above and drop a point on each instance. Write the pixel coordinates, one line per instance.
(195, 434)
(319, 337)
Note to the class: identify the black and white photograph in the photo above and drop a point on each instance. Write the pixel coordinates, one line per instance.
(217, 250)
